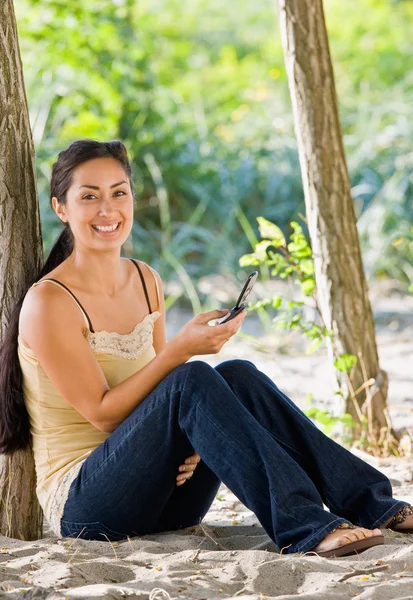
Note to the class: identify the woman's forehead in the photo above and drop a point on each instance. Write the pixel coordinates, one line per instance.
(100, 171)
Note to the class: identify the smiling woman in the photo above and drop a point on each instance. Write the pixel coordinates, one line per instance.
(106, 212)
(119, 420)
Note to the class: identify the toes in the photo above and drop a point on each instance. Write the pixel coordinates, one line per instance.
(337, 539)
(360, 534)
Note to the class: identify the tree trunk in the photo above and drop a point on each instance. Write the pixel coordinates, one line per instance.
(341, 284)
(20, 258)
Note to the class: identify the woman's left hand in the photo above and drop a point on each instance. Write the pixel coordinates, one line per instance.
(187, 469)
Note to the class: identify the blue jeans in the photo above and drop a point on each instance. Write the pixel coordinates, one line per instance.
(250, 436)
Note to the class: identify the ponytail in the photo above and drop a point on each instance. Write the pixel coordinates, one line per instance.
(14, 418)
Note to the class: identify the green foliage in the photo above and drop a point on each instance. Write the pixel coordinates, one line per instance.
(328, 422)
(199, 95)
(345, 363)
(292, 259)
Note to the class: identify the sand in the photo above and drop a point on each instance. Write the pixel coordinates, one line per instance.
(229, 555)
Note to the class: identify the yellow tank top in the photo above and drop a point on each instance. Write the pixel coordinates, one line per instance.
(61, 437)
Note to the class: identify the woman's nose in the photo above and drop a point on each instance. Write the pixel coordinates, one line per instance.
(106, 205)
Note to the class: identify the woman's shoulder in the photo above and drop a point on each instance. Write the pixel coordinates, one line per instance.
(153, 281)
(44, 304)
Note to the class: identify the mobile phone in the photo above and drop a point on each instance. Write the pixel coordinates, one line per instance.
(245, 292)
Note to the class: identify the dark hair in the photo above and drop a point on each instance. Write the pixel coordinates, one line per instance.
(14, 418)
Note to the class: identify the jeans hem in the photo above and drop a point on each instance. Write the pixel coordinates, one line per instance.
(313, 540)
(391, 512)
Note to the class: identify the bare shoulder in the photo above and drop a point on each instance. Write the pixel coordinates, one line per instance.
(52, 326)
(153, 282)
(47, 307)
(147, 268)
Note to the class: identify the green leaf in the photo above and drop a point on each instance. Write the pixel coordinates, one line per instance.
(308, 286)
(271, 231)
(247, 260)
(345, 363)
(307, 266)
(294, 304)
(296, 227)
(261, 250)
(348, 420)
(276, 302)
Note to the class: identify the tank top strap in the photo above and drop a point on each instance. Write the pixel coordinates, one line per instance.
(66, 289)
(144, 284)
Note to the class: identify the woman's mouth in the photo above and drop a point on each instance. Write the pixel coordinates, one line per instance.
(106, 230)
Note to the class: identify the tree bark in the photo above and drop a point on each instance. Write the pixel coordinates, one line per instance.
(21, 258)
(341, 284)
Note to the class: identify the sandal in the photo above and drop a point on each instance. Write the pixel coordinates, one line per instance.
(352, 547)
(400, 517)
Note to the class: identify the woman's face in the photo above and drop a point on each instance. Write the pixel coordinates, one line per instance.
(99, 197)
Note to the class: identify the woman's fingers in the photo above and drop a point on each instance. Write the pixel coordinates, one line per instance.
(182, 477)
(187, 470)
(195, 458)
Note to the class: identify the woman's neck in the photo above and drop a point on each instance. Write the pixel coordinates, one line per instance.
(100, 273)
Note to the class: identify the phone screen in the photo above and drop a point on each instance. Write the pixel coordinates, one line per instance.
(246, 290)
(242, 298)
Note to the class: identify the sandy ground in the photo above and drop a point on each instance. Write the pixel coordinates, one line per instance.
(229, 555)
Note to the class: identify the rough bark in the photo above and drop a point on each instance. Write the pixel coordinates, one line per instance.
(341, 284)
(20, 258)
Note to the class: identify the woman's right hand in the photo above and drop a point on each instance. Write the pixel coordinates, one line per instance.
(197, 337)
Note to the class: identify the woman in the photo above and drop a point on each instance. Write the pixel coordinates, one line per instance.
(128, 437)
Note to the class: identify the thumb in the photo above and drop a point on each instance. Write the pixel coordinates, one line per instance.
(212, 314)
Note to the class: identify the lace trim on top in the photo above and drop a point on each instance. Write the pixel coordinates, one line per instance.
(125, 345)
(60, 496)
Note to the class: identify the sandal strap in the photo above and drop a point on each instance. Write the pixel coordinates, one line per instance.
(401, 516)
(344, 526)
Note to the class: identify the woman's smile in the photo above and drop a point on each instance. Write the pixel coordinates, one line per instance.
(107, 230)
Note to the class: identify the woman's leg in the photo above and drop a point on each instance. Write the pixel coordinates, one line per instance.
(127, 486)
(350, 487)
(126, 483)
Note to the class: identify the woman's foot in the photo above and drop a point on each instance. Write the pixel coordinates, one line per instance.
(403, 520)
(340, 538)
(407, 524)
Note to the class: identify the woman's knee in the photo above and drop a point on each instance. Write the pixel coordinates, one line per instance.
(234, 366)
(195, 369)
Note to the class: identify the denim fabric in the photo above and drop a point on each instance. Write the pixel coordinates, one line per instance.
(249, 435)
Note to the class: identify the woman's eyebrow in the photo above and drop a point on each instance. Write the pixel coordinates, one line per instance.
(95, 187)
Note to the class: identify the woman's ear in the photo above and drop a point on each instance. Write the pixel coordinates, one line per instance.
(59, 209)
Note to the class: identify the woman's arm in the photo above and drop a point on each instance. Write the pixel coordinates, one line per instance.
(53, 324)
(119, 402)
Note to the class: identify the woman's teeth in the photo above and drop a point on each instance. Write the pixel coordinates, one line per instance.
(103, 228)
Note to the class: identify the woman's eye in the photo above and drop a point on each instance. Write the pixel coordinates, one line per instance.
(91, 196)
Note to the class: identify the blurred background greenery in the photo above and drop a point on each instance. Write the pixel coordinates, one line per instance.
(197, 91)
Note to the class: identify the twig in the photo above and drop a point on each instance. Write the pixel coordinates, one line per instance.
(195, 556)
(363, 572)
(113, 548)
(368, 383)
(76, 538)
(220, 546)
